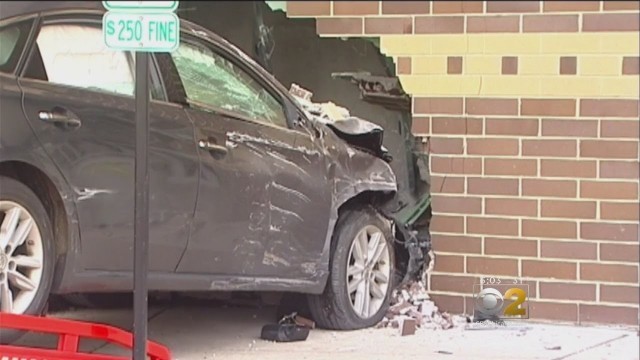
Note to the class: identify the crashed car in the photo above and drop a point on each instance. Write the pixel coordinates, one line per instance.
(251, 187)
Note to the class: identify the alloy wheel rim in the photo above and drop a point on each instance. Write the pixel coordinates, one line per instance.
(368, 271)
(21, 258)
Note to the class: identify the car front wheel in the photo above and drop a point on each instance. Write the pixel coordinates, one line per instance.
(362, 267)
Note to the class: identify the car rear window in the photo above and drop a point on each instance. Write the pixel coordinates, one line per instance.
(12, 40)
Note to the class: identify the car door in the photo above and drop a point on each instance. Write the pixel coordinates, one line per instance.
(251, 216)
(78, 97)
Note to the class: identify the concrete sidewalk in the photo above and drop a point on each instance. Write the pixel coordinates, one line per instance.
(233, 333)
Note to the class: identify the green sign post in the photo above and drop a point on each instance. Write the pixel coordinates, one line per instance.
(141, 27)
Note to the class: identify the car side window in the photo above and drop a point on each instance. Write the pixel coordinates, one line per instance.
(12, 40)
(75, 55)
(212, 80)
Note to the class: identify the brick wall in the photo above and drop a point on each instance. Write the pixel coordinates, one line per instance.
(531, 110)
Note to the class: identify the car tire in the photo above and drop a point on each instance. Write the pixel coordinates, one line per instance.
(26, 266)
(338, 307)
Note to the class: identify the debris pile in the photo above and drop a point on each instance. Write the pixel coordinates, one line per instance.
(325, 112)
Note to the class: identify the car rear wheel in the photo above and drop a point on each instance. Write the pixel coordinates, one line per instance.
(362, 267)
(26, 253)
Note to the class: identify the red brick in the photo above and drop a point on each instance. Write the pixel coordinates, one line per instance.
(553, 311)
(446, 223)
(355, 8)
(567, 291)
(609, 108)
(459, 284)
(604, 231)
(460, 165)
(509, 65)
(609, 272)
(511, 247)
(339, 26)
(548, 107)
(621, 5)
(449, 263)
(489, 106)
(568, 168)
(457, 244)
(492, 186)
(420, 125)
(437, 106)
(619, 294)
(631, 65)
(619, 211)
(549, 229)
(549, 188)
(440, 145)
(550, 23)
(457, 7)
(308, 8)
(549, 148)
(568, 65)
(492, 266)
(608, 190)
(449, 303)
(454, 65)
(511, 207)
(608, 314)
(609, 149)
(457, 125)
(610, 22)
(518, 126)
(448, 184)
(573, 6)
(404, 65)
(513, 6)
(388, 25)
(568, 250)
(568, 209)
(515, 167)
(619, 128)
(439, 25)
(492, 146)
(549, 269)
(619, 252)
(619, 169)
(405, 7)
(570, 128)
(456, 204)
(492, 226)
(485, 24)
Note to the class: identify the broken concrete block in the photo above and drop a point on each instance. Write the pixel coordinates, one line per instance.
(408, 327)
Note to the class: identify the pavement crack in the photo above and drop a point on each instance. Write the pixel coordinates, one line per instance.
(591, 347)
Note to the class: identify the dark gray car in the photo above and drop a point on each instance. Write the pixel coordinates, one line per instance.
(248, 192)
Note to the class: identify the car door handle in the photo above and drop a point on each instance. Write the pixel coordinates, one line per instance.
(60, 117)
(213, 147)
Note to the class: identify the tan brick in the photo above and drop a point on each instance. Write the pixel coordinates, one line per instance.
(492, 266)
(549, 188)
(568, 209)
(609, 108)
(550, 23)
(619, 252)
(619, 169)
(308, 8)
(450, 303)
(548, 107)
(492, 226)
(355, 8)
(631, 65)
(567, 291)
(456, 204)
(568, 168)
(549, 229)
(609, 149)
(610, 22)
(339, 26)
(568, 250)
(457, 125)
(518, 126)
(608, 190)
(608, 314)
(621, 5)
(438, 105)
(553, 311)
(449, 165)
(449, 263)
(573, 6)
(570, 127)
(512, 6)
(492, 146)
(549, 148)
(516, 167)
(405, 7)
(490, 106)
(511, 207)
(497, 24)
(604, 231)
(460, 284)
(388, 25)
(446, 223)
(439, 25)
(620, 294)
(609, 272)
(441, 145)
(420, 125)
(512, 247)
(619, 211)
(404, 65)
(457, 7)
(549, 269)
(619, 128)
(456, 243)
(448, 185)
(489, 186)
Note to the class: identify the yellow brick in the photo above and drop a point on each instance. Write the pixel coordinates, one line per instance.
(475, 43)
(600, 65)
(394, 45)
(448, 44)
(571, 86)
(538, 65)
(625, 87)
(423, 85)
(482, 65)
(429, 65)
(576, 43)
(620, 43)
(510, 85)
(512, 44)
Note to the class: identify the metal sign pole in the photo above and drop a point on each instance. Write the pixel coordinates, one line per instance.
(141, 230)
